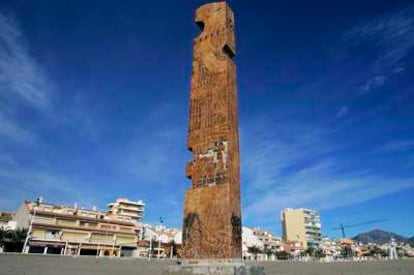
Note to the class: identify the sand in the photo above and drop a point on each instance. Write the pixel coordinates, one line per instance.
(17, 264)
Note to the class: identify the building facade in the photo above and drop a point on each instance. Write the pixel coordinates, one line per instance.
(126, 210)
(271, 243)
(65, 230)
(6, 221)
(302, 225)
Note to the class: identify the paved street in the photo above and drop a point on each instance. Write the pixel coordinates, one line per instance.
(58, 265)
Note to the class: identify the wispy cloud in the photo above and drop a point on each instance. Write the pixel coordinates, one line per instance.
(27, 183)
(275, 156)
(152, 153)
(391, 37)
(398, 145)
(398, 70)
(12, 131)
(299, 167)
(20, 75)
(22, 81)
(26, 88)
(373, 83)
(343, 111)
(80, 113)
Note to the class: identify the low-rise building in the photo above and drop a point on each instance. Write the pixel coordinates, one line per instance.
(166, 241)
(6, 221)
(252, 247)
(271, 243)
(260, 244)
(330, 248)
(59, 229)
(294, 249)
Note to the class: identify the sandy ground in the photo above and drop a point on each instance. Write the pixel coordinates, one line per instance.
(62, 265)
(342, 268)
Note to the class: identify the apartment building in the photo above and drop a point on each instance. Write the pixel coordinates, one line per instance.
(59, 229)
(126, 210)
(302, 225)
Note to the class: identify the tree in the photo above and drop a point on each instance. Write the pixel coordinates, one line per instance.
(268, 251)
(376, 252)
(282, 255)
(19, 235)
(315, 252)
(5, 233)
(254, 250)
(309, 251)
(346, 252)
(318, 253)
(171, 247)
(16, 239)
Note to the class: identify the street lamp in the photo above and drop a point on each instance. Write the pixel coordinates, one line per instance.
(150, 249)
(159, 239)
(29, 232)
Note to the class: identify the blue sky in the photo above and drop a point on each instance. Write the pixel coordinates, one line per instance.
(94, 104)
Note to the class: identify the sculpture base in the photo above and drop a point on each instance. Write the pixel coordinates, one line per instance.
(216, 267)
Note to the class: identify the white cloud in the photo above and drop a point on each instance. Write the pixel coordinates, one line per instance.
(151, 154)
(151, 157)
(20, 75)
(22, 81)
(321, 191)
(391, 36)
(11, 130)
(277, 148)
(23, 183)
(299, 167)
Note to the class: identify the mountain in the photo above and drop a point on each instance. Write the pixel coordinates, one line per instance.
(379, 236)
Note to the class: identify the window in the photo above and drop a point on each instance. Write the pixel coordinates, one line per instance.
(51, 235)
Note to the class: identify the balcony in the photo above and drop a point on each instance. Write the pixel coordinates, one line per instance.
(131, 207)
(44, 220)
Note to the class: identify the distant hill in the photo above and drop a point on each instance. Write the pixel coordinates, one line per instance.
(379, 236)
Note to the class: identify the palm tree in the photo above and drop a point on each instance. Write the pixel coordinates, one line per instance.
(18, 237)
(4, 236)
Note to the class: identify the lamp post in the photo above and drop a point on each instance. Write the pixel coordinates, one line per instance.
(29, 232)
(171, 250)
(150, 249)
(159, 239)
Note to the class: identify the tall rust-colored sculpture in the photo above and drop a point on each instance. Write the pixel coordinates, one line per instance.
(212, 218)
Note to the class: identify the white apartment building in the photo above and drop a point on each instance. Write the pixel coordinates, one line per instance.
(124, 209)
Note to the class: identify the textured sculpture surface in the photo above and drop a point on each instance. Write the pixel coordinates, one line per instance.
(212, 218)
